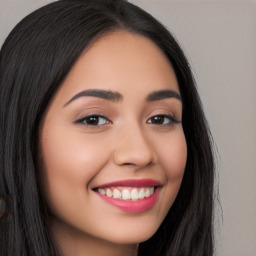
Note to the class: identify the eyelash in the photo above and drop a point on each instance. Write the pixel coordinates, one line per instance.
(172, 120)
(93, 117)
(165, 120)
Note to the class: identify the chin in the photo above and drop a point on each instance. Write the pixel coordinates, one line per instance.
(132, 236)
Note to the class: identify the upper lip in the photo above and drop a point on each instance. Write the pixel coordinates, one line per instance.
(132, 183)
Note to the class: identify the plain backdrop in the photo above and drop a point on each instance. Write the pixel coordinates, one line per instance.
(219, 39)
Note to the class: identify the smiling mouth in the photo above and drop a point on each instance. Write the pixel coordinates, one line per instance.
(127, 193)
(132, 196)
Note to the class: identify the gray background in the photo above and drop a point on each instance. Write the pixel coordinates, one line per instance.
(219, 38)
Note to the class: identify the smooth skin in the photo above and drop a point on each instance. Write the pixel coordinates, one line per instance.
(88, 141)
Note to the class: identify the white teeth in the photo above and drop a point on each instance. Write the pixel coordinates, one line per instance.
(147, 194)
(101, 191)
(134, 194)
(117, 193)
(109, 192)
(127, 193)
(142, 193)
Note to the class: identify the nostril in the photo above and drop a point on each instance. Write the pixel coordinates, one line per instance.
(131, 164)
(149, 164)
(128, 164)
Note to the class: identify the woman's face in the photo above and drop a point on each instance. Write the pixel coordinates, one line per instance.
(112, 143)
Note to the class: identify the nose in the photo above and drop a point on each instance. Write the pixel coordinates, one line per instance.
(133, 148)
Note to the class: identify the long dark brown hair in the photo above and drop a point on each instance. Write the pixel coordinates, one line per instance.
(34, 60)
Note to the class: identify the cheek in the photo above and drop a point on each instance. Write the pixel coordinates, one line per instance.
(69, 163)
(173, 157)
(176, 162)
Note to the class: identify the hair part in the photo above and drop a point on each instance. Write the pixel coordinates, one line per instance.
(34, 61)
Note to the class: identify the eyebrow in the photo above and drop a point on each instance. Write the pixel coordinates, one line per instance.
(117, 97)
(163, 94)
(103, 94)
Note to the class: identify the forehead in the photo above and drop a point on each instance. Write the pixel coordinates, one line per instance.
(123, 62)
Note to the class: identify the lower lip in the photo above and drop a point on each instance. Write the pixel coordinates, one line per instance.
(138, 206)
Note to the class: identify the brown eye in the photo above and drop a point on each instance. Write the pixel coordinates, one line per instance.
(93, 120)
(162, 120)
(158, 120)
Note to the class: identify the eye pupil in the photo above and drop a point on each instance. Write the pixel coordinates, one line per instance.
(158, 119)
(92, 120)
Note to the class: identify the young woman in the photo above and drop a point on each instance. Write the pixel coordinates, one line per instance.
(105, 149)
